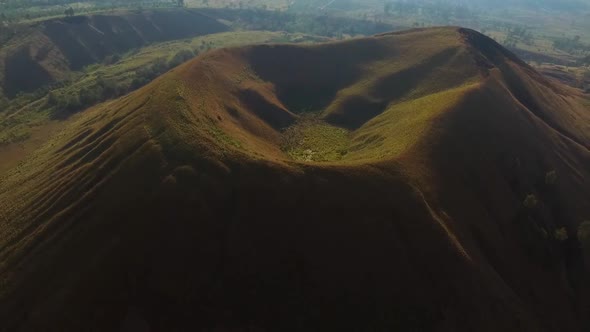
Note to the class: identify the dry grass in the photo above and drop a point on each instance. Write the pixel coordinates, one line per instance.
(182, 185)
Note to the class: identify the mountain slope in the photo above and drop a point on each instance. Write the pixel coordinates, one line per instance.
(201, 201)
(47, 51)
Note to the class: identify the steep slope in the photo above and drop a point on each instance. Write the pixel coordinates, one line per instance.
(50, 49)
(179, 206)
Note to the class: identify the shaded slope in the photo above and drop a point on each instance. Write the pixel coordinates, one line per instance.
(175, 206)
(50, 49)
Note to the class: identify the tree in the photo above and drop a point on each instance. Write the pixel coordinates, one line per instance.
(69, 12)
(52, 98)
(180, 57)
(106, 87)
(89, 96)
(68, 103)
(561, 234)
(180, 3)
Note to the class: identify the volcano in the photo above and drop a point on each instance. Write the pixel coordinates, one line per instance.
(425, 180)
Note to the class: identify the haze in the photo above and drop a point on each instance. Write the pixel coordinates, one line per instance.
(294, 165)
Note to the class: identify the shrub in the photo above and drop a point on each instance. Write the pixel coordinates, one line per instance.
(531, 201)
(561, 234)
(139, 81)
(146, 74)
(180, 57)
(68, 102)
(111, 59)
(106, 88)
(89, 96)
(52, 99)
(159, 66)
(551, 178)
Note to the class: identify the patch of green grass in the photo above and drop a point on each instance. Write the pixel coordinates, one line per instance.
(311, 139)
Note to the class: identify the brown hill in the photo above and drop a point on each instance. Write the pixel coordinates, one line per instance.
(47, 51)
(215, 199)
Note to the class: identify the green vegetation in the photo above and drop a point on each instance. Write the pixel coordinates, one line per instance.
(571, 45)
(24, 11)
(69, 12)
(527, 25)
(309, 23)
(122, 73)
(516, 35)
(431, 12)
(311, 139)
(531, 201)
(551, 178)
(560, 234)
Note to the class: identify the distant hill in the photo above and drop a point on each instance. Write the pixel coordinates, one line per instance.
(426, 180)
(46, 52)
(566, 5)
(41, 55)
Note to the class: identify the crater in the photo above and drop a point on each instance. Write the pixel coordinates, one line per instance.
(312, 139)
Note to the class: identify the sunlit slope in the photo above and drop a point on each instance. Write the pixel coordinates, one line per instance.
(211, 198)
(255, 93)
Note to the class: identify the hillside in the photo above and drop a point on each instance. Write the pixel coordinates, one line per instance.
(47, 51)
(43, 54)
(426, 180)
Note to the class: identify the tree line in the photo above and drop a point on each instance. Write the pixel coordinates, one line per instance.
(12, 12)
(66, 101)
(571, 45)
(318, 24)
